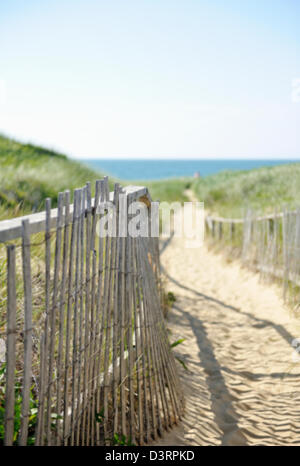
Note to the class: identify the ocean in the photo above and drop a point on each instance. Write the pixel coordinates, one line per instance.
(150, 169)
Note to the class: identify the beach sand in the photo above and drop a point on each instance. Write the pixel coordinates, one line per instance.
(242, 386)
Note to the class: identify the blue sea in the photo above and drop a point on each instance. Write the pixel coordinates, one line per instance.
(139, 169)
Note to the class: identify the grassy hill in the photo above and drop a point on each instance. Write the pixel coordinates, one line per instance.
(264, 189)
(29, 174)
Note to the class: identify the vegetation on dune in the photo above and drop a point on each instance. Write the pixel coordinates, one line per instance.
(171, 190)
(263, 189)
(29, 174)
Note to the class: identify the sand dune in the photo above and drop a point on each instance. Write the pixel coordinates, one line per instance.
(243, 387)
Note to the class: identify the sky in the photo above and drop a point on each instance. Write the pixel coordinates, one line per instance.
(152, 78)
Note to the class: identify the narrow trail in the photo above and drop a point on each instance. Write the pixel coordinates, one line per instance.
(242, 386)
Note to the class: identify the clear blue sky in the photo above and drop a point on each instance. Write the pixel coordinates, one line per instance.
(152, 78)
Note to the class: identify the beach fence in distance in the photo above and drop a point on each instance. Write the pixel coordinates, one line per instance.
(269, 244)
(88, 360)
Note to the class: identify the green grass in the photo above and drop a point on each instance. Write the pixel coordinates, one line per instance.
(262, 189)
(29, 174)
(171, 190)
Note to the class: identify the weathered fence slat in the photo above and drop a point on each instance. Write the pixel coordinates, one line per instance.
(143, 345)
(99, 316)
(122, 301)
(138, 350)
(66, 417)
(109, 262)
(91, 325)
(10, 346)
(60, 355)
(75, 321)
(52, 316)
(45, 340)
(86, 320)
(27, 373)
(116, 323)
(129, 334)
(82, 297)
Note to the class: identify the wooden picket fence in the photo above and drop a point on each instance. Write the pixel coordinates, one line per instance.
(268, 244)
(88, 360)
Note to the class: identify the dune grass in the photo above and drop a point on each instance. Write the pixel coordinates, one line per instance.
(171, 190)
(29, 174)
(263, 189)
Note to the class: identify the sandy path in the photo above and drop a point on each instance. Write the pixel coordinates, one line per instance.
(242, 387)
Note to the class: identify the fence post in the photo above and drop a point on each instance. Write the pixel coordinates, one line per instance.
(27, 334)
(247, 234)
(232, 230)
(285, 243)
(220, 230)
(10, 346)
